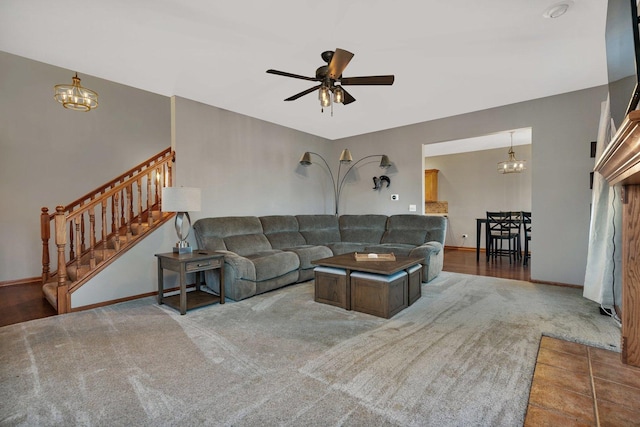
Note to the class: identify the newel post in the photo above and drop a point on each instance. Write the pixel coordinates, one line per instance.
(61, 242)
(45, 234)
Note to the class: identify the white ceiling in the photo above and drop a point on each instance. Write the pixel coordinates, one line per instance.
(513, 137)
(448, 57)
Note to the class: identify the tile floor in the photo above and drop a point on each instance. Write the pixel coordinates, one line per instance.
(577, 385)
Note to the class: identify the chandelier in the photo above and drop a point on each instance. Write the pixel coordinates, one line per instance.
(76, 97)
(512, 165)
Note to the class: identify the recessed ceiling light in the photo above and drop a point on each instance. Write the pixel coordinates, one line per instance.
(558, 9)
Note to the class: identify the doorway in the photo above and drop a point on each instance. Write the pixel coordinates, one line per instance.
(469, 184)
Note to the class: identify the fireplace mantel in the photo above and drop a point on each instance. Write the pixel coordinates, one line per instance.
(620, 164)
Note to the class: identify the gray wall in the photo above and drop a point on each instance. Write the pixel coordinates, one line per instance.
(50, 156)
(246, 166)
(562, 128)
(471, 185)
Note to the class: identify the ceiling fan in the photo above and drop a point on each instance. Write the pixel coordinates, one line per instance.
(331, 80)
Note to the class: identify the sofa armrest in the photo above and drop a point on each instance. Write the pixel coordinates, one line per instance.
(426, 249)
(433, 254)
(239, 276)
(237, 267)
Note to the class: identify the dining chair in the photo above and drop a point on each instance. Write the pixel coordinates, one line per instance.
(503, 227)
(526, 224)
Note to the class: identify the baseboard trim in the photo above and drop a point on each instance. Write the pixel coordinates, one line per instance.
(17, 282)
(463, 248)
(125, 299)
(563, 285)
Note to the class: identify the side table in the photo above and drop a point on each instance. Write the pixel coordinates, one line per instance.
(197, 262)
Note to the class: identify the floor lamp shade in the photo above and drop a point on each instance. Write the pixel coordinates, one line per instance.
(181, 200)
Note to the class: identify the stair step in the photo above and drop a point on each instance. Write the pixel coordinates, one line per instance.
(103, 252)
(137, 229)
(75, 273)
(50, 291)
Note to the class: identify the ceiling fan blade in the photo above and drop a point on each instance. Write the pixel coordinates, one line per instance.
(303, 93)
(348, 99)
(368, 80)
(338, 63)
(295, 76)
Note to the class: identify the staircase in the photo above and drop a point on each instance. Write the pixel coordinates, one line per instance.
(93, 231)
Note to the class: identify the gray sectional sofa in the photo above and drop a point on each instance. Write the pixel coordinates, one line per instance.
(269, 252)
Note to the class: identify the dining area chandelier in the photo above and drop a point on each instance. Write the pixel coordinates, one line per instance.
(512, 165)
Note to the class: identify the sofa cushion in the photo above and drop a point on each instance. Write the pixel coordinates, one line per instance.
(411, 229)
(273, 263)
(207, 237)
(246, 244)
(362, 228)
(210, 232)
(339, 248)
(436, 226)
(319, 229)
(308, 253)
(282, 231)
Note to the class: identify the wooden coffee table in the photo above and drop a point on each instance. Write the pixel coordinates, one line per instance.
(383, 292)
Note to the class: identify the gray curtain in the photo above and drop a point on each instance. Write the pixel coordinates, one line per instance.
(603, 278)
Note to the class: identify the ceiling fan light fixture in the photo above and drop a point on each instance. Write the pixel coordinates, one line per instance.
(338, 94)
(325, 96)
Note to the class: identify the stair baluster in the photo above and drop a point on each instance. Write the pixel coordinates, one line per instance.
(116, 198)
(60, 223)
(139, 187)
(45, 233)
(83, 247)
(129, 212)
(92, 239)
(70, 221)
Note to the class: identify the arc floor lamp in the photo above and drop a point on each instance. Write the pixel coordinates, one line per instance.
(345, 159)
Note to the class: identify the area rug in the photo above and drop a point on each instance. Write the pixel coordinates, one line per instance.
(462, 355)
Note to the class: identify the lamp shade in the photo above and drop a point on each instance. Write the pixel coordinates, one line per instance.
(305, 160)
(181, 199)
(345, 156)
(385, 163)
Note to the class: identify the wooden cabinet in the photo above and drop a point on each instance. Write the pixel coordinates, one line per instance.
(431, 185)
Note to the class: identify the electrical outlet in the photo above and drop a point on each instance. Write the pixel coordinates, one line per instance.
(464, 236)
(395, 197)
(412, 208)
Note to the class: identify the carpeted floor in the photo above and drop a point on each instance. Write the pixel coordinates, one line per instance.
(462, 355)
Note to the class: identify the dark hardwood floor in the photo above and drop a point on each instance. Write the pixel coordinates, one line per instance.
(19, 303)
(464, 261)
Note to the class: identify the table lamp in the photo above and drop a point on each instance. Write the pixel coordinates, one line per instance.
(181, 200)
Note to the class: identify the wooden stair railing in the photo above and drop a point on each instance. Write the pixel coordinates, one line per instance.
(114, 216)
